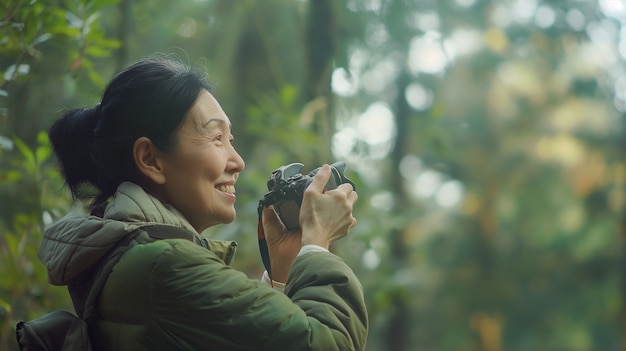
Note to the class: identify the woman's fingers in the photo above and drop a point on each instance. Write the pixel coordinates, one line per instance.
(320, 180)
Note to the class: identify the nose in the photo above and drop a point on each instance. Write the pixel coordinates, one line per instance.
(236, 163)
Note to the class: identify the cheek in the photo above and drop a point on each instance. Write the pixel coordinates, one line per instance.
(212, 166)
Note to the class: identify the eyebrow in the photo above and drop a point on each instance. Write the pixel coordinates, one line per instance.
(218, 121)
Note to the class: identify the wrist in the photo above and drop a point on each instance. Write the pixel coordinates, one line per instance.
(313, 235)
(280, 268)
(315, 241)
(312, 248)
(279, 275)
(265, 278)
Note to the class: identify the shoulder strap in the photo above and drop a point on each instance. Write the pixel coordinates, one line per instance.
(263, 249)
(88, 292)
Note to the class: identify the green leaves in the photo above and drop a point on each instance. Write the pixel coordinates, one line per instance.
(30, 161)
(28, 173)
(29, 26)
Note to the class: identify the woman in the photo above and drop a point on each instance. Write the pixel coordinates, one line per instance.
(158, 150)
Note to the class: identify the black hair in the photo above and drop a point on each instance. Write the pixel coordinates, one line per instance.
(149, 98)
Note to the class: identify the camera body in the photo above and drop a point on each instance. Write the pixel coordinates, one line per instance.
(286, 188)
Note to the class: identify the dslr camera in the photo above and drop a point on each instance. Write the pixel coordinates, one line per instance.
(286, 188)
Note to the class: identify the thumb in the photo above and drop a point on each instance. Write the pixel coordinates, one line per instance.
(320, 179)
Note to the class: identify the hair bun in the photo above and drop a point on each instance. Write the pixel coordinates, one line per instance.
(71, 137)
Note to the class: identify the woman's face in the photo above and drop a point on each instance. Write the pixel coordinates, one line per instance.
(200, 174)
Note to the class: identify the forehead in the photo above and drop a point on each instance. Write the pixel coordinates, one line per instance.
(206, 112)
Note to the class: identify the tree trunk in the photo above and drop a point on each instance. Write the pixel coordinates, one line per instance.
(399, 327)
(125, 18)
(321, 48)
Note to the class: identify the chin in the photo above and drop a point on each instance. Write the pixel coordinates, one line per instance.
(225, 218)
(229, 220)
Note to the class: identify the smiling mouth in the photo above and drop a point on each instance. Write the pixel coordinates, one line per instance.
(226, 188)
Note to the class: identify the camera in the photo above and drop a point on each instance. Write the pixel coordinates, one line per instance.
(286, 188)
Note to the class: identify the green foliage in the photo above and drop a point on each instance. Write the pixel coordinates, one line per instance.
(26, 26)
(30, 187)
(44, 40)
(34, 183)
(282, 115)
(83, 27)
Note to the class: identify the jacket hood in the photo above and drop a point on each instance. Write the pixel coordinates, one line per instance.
(75, 243)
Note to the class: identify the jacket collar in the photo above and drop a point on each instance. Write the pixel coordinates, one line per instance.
(76, 242)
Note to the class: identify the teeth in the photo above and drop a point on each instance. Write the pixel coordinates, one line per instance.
(226, 188)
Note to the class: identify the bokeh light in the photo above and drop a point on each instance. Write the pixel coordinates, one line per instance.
(426, 54)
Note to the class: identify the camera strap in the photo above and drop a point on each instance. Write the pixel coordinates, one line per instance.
(265, 254)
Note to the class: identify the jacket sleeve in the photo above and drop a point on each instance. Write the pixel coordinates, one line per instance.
(200, 303)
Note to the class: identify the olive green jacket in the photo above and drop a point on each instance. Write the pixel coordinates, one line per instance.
(172, 294)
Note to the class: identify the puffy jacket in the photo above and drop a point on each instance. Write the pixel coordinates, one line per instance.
(172, 294)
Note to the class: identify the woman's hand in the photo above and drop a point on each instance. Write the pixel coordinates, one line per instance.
(283, 245)
(326, 216)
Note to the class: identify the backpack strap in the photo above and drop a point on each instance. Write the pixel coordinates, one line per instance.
(86, 293)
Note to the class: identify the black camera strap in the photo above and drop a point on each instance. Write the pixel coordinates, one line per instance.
(265, 254)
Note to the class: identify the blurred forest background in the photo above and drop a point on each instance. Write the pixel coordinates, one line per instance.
(486, 138)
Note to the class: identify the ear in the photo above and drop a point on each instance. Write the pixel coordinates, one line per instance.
(148, 161)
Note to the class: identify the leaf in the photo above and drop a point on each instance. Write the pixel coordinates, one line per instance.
(42, 38)
(73, 20)
(68, 31)
(288, 95)
(109, 43)
(5, 306)
(14, 71)
(91, 19)
(5, 143)
(24, 150)
(96, 51)
(42, 138)
(12, 176)
(42, 153)
(12, 243)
